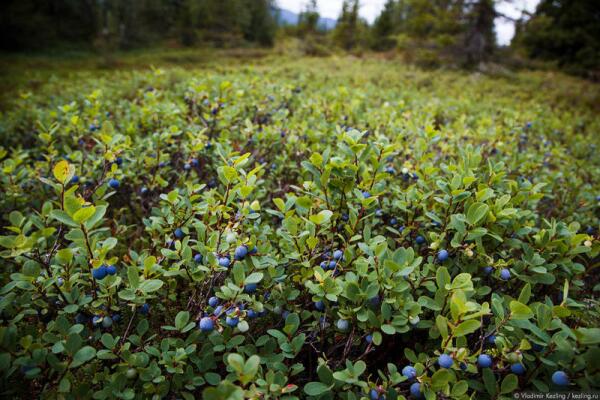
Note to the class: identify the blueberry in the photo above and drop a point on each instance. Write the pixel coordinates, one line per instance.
(366, 194)
(187, 166)
(198, 258)
(560, 378)
(379, 212)
(537, 347)
(213, 301)
(332, 264)
(111, 270)
(206, 324)
(194, 162)
(342, 324)
(218, 311)
(113, 183)
(232, 321)
(74, 179)
(410, 372)
(369, 338)
(144, 191)
(324, 265)
(393, 221)
(250, 288)
(100, 272)
(415, 390)
(119, 161)
(345, 217)
(375, 301)
(145, 309)
(320, 305)
(285, 314)
(420, 240)
(505, 274)
(445, 361)
(252, 314)
(488, 270)
(442, 255)
(96, 320)
(517, 368)
(116, 317)
(374, 394)
(60, 281)
(107, 322)
(491, 339)
(338, 254)
(240, 252)
(224, 261)
(484, 361)
(253, 251)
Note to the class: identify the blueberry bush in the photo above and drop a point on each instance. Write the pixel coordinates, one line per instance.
(323, 229)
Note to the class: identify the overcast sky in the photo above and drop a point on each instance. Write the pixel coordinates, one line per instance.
(370, 9)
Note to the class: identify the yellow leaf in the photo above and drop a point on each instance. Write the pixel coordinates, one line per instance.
(63, 171)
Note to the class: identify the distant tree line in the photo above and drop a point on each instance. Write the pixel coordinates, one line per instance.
(40, 24)
(566, 32)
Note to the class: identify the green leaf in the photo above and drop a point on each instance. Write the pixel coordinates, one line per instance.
(82, 356)
(83, 214)
(476, 212)
(509, 384)
(151, 285)
(181, 319)
(316, 388)
(321, 218)
(519, 310)
(466, 327)
(63, 171)
(254, 277)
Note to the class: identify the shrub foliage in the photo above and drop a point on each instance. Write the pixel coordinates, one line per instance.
(299, 231)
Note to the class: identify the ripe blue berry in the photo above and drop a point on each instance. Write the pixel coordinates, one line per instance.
(198, 258)
(492, 339)
(319, 305)
(338, 254)
(206, 324)
(213, 301)
(253, 251)
(517, 368)
(369, 338)
(445, 361)
(179, 234)
(252, 314)
(415, 390)
(366, 194)
(232, 321)
(111, 270)
(420, 240)
(442, 255)
(96, 320)
(505, 274)
(74, 179)
(374, 394)
(410, 372)
(99, 273)
(560, 378)
(488, 270)
(145, 309)
(224, 261)
(484, 361)
(342, 324)
(113, 183)
(218, 311)
(240, 252)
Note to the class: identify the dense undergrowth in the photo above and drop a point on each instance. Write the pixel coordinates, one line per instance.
(337, 228)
